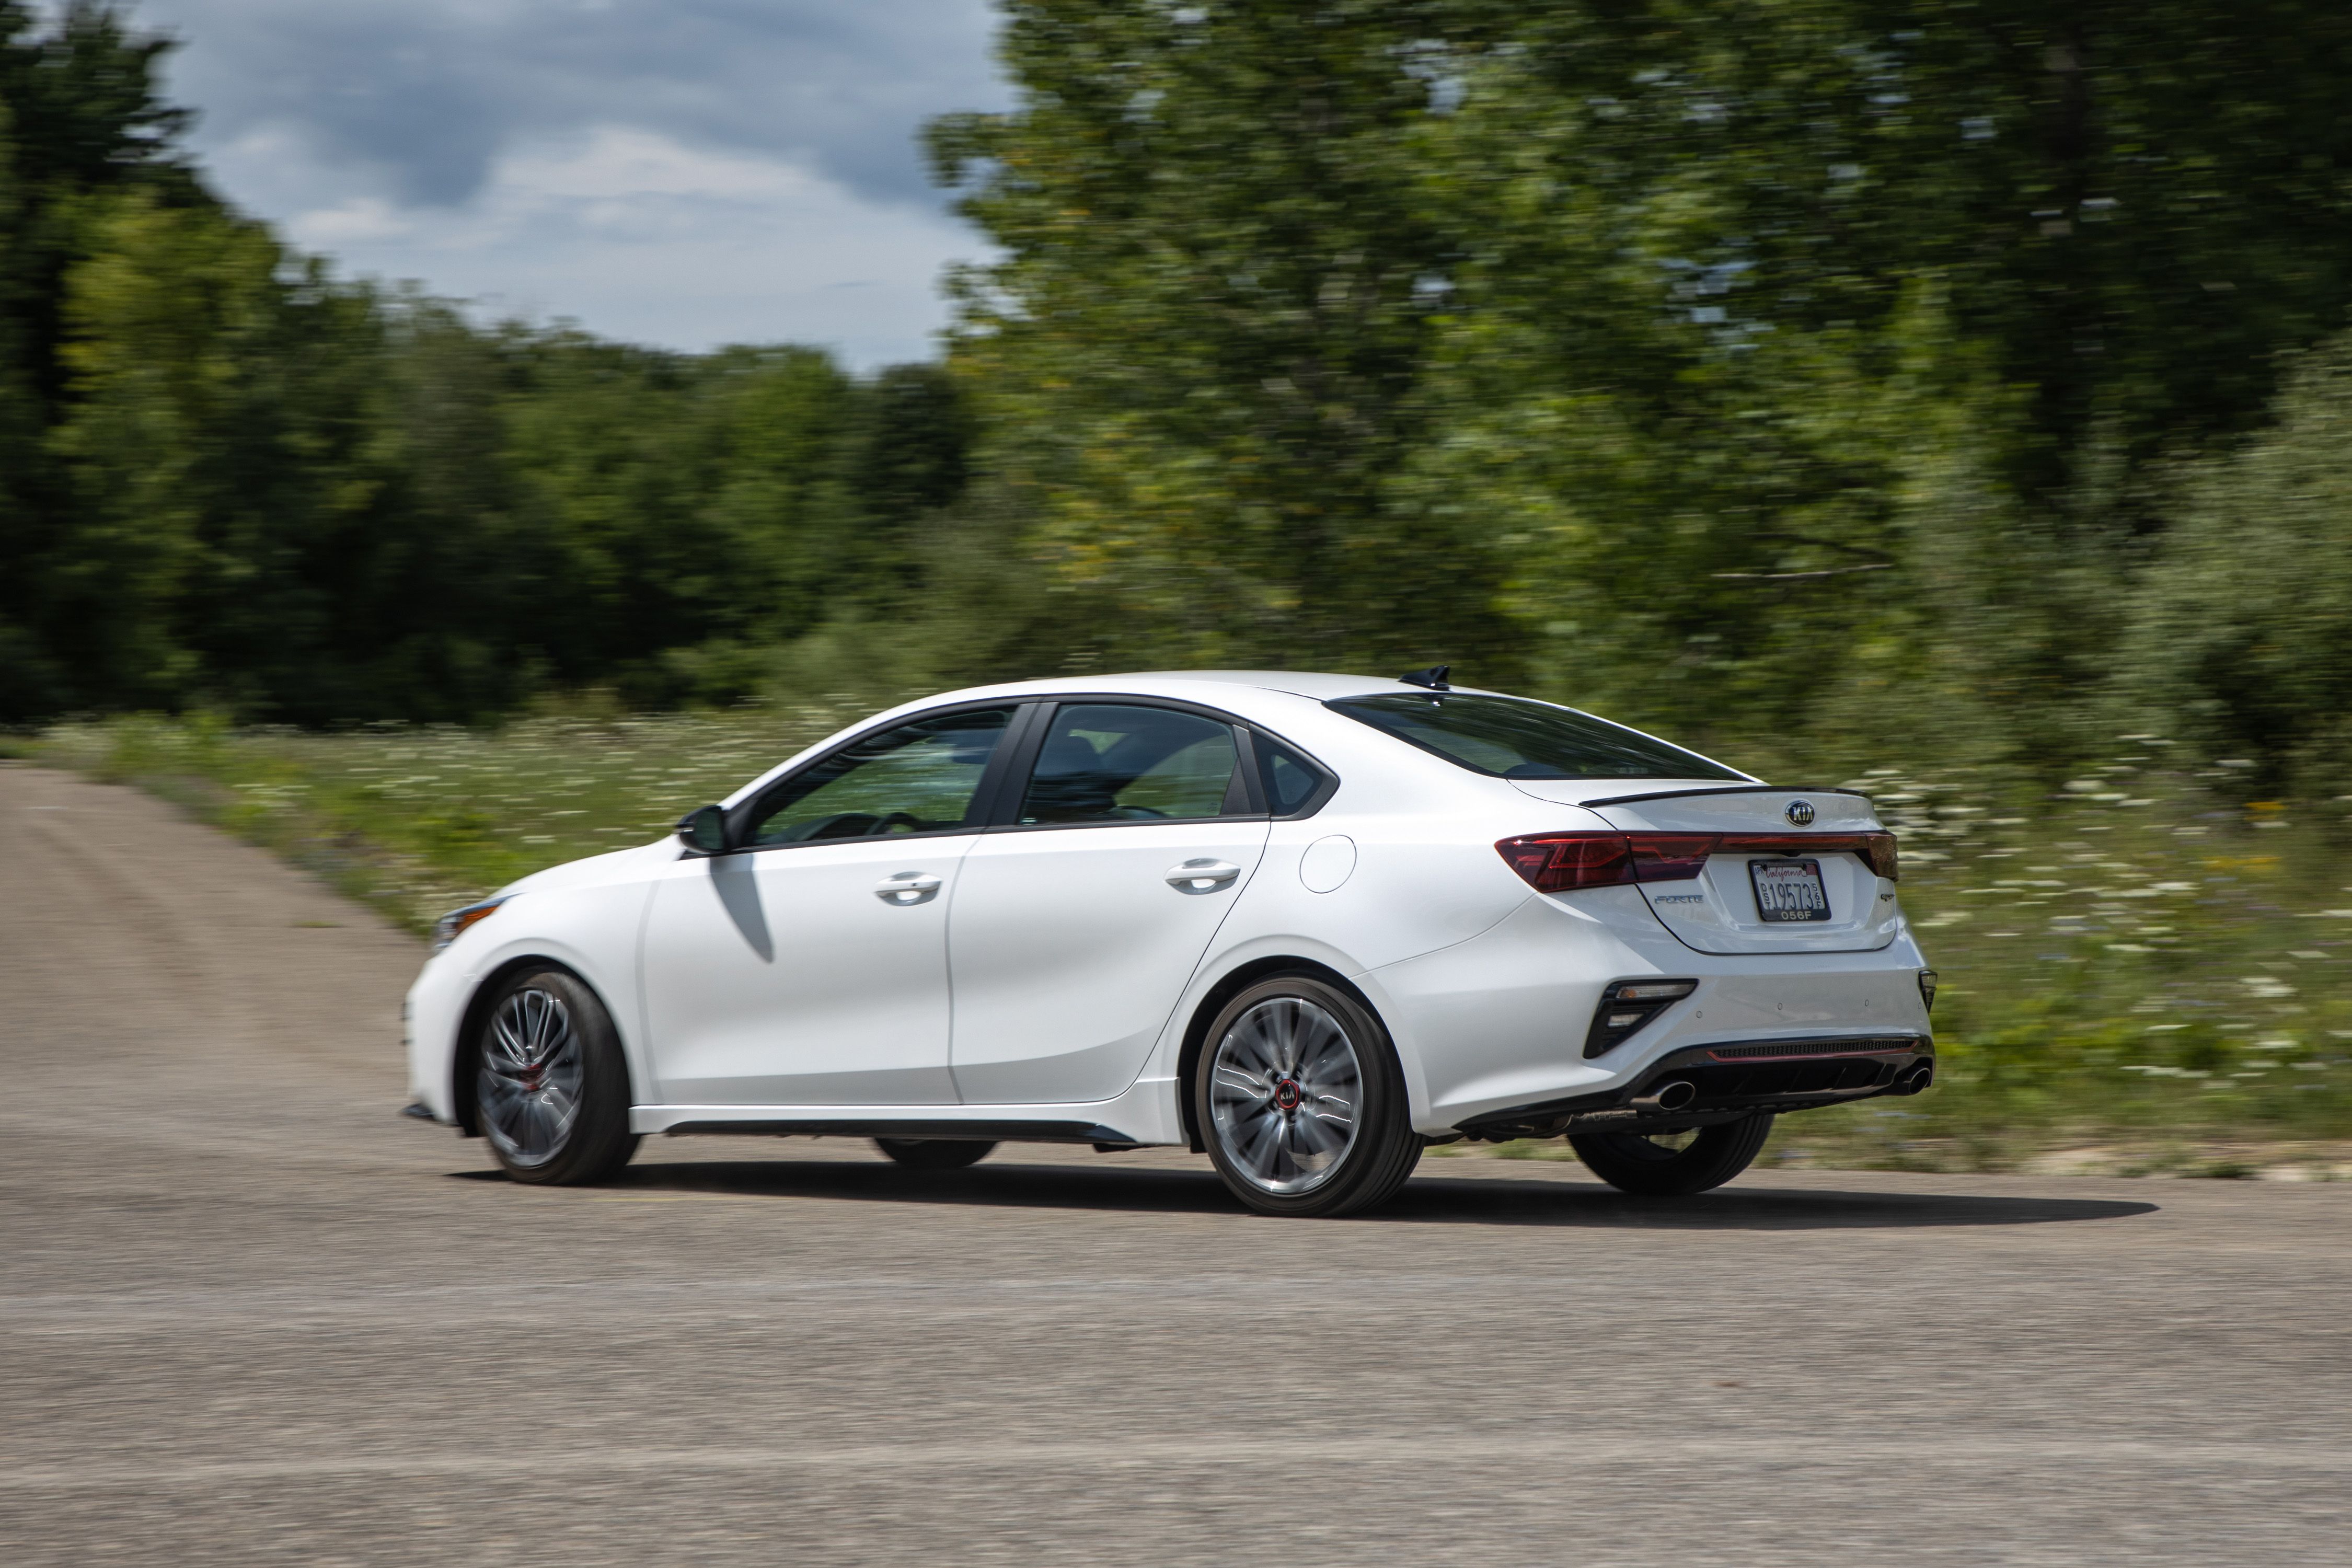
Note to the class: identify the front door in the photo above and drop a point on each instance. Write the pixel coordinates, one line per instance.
(809, 966)
(1076, 928)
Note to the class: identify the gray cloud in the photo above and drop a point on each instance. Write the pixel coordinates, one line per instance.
(681, 172)
(417, 98)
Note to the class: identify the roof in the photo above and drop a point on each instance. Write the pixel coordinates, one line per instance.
(1316, 687)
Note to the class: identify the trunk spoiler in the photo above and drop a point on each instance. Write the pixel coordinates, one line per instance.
(1725, 789)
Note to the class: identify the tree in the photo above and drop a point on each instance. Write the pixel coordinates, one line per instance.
(1200, 360)
(80, 119)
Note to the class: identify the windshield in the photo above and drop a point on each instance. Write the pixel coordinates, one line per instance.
(1511, 738)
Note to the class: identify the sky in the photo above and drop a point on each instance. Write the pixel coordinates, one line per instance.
(683, 173)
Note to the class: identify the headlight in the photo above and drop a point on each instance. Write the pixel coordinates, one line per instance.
(446, 929)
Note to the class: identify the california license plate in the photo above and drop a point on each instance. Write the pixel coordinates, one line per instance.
(1788, 889)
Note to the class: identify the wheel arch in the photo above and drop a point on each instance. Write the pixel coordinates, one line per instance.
(1242, 977)
(463, 1058)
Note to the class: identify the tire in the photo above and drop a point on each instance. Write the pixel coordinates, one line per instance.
(547, 1045)
(1633, 1163)
(1301, 1102)
(935, 1153)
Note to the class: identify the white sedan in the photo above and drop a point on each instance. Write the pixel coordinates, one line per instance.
(1305, 924)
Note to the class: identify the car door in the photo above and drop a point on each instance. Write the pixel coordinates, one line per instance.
(1077, 925)
(807, 965)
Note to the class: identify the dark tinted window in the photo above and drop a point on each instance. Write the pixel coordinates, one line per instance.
(1112, 763)
(913, 778)
(1515, 738)
(1290, 781)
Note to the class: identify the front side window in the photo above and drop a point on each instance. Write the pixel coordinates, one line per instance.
(920, 777)
(1509, 737)
(1112, 763)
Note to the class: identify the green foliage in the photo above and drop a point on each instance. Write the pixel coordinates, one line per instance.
(417, 819)
(2243, 624)
(229, 479)
(1745, 368)
(81, 123)
(1199, 362)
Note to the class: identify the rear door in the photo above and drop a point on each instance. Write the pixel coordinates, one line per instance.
(1768, 888)
(1075, 927)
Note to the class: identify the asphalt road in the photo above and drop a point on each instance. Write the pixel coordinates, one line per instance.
(249, 1316)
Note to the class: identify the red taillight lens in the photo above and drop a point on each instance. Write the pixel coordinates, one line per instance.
(1670, 856)
(1878, 851)
(1875, 850)
(1558, 862)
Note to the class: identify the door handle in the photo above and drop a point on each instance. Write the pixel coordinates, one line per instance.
(905, 887)
(1201, 875)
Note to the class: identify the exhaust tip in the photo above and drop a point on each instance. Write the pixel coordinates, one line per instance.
(1668, 1097)
(1919, 1077)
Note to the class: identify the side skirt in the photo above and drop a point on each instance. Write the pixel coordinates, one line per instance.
(1092, 1132)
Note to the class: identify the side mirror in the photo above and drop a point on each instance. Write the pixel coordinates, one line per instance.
(704, 831)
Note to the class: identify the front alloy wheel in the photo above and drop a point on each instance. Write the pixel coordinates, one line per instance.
(531, 1072)
(1300, 1102)
(550, 1090)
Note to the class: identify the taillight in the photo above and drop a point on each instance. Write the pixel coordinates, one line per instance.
(1561, 862)
(1878, 849)
(1670, 856)
(1558, 862)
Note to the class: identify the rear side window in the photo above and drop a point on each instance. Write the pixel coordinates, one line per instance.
(1511, 738)
(1290, 779)
(1111, 763)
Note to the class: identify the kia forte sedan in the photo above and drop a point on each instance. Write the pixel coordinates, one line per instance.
(1305, 924)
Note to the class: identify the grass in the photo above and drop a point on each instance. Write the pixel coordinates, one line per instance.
(417, 820)
(2140, 971)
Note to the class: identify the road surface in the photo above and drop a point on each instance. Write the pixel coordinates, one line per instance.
(248, 1315)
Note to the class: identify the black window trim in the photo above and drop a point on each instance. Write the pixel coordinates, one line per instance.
(1023, 752)
(985, 799)
(1327, 783)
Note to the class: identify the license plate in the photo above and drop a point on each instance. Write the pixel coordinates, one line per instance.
(1788, 889)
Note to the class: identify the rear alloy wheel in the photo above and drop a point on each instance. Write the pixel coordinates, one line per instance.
(1672, 1165)
(935, 1153)
(1301, 1103)
(552, 1092)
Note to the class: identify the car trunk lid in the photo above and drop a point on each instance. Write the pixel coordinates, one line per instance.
(1745, 868)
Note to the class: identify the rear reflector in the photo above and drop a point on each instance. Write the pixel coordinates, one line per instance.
(1560, 862)
(1626, 1007)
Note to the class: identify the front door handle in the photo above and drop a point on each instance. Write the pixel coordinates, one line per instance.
(905, 887)
(1203, 876)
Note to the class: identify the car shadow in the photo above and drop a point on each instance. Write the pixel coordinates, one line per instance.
(1428, 1199)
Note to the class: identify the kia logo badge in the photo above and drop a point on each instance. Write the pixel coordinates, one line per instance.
(1800, 813)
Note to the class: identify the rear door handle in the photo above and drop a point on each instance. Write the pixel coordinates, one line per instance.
(1201, 875)
(905, 887)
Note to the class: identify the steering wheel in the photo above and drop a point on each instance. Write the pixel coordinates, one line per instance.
(914, 824)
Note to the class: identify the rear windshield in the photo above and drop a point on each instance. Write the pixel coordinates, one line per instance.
(1510, 738)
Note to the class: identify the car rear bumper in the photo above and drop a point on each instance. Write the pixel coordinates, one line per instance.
(1727, 1080)
(1501, 1023)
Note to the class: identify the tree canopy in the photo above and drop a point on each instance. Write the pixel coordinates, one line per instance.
(1834, 374)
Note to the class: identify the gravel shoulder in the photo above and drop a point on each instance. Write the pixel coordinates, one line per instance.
(248, 1315)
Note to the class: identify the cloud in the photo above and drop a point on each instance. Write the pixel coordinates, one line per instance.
(685, 172)
(641, 236)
